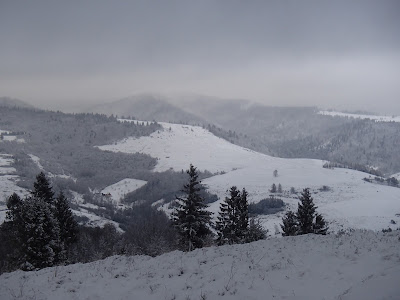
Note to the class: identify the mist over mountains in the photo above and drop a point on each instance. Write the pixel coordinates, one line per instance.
(292, 132)
(187, 150)
(11, 102)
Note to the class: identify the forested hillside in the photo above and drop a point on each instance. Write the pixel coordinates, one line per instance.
(147, 107)
(291, 132)
(62, 144)
(300, 132)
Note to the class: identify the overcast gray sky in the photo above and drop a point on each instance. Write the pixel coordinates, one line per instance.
(341, 54)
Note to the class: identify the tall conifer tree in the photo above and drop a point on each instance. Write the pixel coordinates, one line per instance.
(290, 224)
(42, 189)
(68, 225)
(306, 212)
(228, 219)
(39, 234)
(243, 216)
(191, 218)
(233, 221)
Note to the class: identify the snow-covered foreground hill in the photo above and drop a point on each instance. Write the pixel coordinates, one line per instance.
(347, 201)
(363, 265)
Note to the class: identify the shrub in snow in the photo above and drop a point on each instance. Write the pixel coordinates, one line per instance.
(267, 206)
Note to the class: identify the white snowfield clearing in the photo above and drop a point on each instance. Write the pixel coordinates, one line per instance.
(357, 116)
(397, 176)
(176, 146)
(7, 136)
(83, 211)
(363, 265)
(8, 183)
(349, 201)
(121, 188)
(94, 220)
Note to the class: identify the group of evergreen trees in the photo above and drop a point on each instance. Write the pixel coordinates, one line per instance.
(233, 220)
(193, 221)
(40, 227)
(305, 220)
(275, 189)
(40, 230)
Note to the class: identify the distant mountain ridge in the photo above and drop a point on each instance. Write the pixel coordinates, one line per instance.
(147, 107)
(291, 132)
(11, 102)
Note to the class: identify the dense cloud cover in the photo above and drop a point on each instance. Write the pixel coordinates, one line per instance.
(342, 54)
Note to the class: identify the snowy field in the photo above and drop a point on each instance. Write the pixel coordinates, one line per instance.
(121, 188)
(83, 210)
(397, 176)
(10, 138)
(8, 183)
(363, 265)
(176, 146)
(357, 116)
(349, 202)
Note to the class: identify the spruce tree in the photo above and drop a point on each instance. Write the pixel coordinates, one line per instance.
(42, 189)
(191, 219)
(255, 231)
(306, 212)
(35, 225)
(39, 235)
(227, 224)
(222, 224)
(273, 188)
(14, 224)
(320, 226)
(306, 220)
(290, 224)
(233, 221)
(243, 216)
(67, 224)
(14, 204)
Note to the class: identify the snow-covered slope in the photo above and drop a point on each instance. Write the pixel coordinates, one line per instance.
(37, 162)
(118, 190)
(349, 201)
(176, 146)
(8, 183)
(363, 265)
